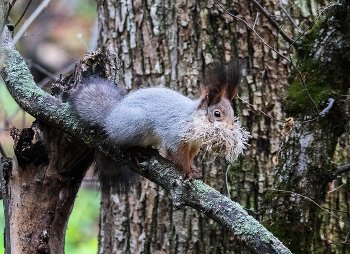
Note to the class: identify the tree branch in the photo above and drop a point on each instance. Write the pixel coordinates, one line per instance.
(274, 23)
(290, 18)
(342, 170)
(50, 110)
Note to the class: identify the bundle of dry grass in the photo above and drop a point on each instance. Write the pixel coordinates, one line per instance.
(218, 137)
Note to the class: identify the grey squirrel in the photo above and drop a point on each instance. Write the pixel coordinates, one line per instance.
(165, 119)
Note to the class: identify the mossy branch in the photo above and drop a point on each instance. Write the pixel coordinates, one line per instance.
(50, 110)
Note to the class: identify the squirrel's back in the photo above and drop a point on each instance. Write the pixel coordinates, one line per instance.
(95, 100)
(150, 116)
(146, 117)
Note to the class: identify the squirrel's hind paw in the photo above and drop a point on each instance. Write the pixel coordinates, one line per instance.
(138, 153)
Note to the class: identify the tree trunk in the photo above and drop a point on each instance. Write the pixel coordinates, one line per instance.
(40, 186)
(307, 159)
(171, 43)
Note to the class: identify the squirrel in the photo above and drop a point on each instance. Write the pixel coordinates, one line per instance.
(160, 117)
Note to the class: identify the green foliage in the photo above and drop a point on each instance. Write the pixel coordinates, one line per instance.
(81, 236)
(2, 227)
(87, 9)
(8, 105)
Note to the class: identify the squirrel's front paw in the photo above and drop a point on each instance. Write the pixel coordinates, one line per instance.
(133, 153)
(194, 175)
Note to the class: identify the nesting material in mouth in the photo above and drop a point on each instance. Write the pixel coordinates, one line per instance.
(218, 137)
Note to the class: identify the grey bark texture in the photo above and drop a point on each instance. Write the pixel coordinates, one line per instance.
(307, 163)
(171, 43)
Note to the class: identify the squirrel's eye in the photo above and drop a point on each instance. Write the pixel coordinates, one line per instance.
(217, 113)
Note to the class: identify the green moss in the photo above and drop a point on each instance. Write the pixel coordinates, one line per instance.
(319, 81)
(317, 85)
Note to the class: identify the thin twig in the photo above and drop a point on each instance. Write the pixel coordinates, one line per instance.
(64, 71)
(317, 17)
(256, 108)
(323, 112)
(254, 31)
(29, 21)
(23, 119)
(249, 209)
(303, 83)
(8, 119)
(335, 188)
(301, 76)
(305, 89)
(7, 15)
(25, 10)
(256, 19)
(290, 18)
(22, 30)
(41, 69)
(323, 208)
(342, 169)
(227, 187)
(346, 238)
(274, 23)
(80, 36)
(267, 45)
(332, 242)
(294, 42)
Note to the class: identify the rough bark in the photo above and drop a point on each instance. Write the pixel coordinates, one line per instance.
(306, 163)
(171, 43)
(40, 185)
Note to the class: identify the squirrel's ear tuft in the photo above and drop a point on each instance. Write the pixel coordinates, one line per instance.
(221, 81)
(214, 96)
(233, 79)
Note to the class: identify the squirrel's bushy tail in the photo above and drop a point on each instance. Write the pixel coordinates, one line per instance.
(93, 101)
(112, 175)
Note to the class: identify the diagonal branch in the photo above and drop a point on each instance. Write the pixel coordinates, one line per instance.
(290, 18)
(274, 23)
(50, 110)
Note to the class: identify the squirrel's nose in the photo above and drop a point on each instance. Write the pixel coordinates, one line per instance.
(231, 123)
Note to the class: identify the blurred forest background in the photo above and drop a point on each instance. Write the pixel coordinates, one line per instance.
(58, 38)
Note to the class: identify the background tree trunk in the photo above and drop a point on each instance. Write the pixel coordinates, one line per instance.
(307, 159)
(171, 43)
